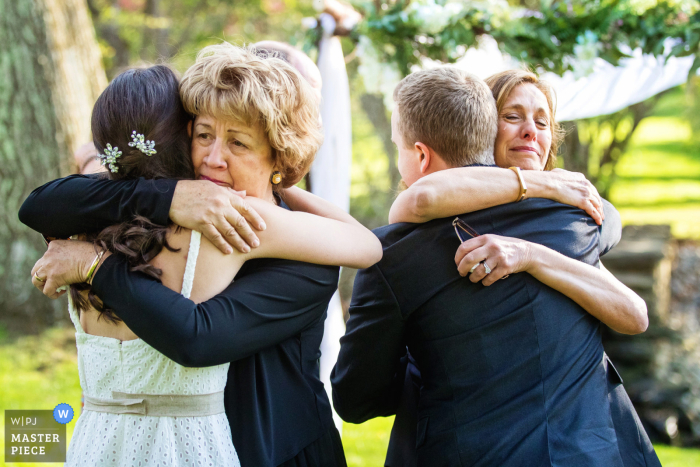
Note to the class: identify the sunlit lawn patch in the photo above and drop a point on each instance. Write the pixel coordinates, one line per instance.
(659, 175)
(365, 446)
(677, 457)
(38, 373)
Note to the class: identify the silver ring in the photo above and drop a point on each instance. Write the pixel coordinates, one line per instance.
(486, 266)
(473, 268)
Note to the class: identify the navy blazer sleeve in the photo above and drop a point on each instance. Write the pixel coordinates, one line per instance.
(369, 374)
(611, 230)
(89, 203)
(274, 300)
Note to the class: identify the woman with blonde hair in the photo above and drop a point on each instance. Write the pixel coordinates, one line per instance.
(525, 152)
(253, 127)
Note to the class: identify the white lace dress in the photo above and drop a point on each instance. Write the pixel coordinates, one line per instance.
(121, 440)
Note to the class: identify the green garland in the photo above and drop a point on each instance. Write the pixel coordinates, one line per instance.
(553, 37)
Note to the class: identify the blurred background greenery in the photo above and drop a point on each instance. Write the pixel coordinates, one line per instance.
(646, 158)
(132, 32)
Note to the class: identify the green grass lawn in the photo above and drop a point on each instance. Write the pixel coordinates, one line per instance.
(39, 372)
(365, 446)
(659, 175)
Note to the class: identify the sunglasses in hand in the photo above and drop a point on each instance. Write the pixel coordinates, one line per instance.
(462, 229)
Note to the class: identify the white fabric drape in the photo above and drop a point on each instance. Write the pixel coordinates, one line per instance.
(330, 173)
(610, 88)
(606, 90)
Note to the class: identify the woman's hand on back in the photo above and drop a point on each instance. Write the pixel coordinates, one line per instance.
(65, 262)
(570, 188)
(502, 255)
(220, 214)
(595, 290)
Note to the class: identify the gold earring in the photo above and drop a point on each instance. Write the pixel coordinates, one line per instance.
(276, 178)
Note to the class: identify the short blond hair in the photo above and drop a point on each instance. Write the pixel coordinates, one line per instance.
(451, 111)
(237, 83)
(502, 85)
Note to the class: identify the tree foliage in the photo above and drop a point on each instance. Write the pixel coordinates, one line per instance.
(396, 36)
(548, 35)
(133, 31)
(593, 146)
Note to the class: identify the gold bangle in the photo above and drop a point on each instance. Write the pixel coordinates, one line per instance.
(93, 267)
(523, 187)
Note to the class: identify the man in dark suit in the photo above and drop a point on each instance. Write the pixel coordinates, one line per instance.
(512, 374)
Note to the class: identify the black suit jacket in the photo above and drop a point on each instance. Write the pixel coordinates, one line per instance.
(512, 374)
(633, 442)
(268, 323)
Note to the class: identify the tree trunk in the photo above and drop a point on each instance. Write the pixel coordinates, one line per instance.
(51, 75)
(574, 153)
(373, 105)
(108, 30)
(157, 34)
(599, 161)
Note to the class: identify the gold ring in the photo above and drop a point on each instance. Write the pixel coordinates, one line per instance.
(39, 278)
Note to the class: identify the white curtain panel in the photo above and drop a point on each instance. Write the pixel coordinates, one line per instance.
(330, 173)
(606, 90)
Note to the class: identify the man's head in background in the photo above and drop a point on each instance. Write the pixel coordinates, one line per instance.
(298, 59)
(444, 118)
(87, 160)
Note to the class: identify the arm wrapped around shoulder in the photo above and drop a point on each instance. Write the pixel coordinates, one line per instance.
(267, 304)
(88, 203)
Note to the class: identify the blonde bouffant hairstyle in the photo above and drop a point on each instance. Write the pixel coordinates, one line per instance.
(503, 83)
(451, 111)
(245, 85)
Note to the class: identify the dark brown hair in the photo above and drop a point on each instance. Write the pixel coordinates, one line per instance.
(147, 101)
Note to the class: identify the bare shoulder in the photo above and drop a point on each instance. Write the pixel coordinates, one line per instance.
(265, 208)
(214, 271)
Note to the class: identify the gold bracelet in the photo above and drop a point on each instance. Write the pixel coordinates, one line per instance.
(523, 187)
(94, 267)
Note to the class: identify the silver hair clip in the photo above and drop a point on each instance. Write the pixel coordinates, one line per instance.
(110, 157)
(139, 142)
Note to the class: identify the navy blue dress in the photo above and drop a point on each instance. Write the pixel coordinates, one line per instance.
(268, 323)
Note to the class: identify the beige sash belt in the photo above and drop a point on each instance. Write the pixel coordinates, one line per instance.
(159, 405)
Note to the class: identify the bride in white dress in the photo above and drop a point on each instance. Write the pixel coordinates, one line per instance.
(131, 437)
(140, 407)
